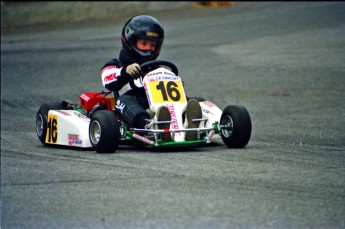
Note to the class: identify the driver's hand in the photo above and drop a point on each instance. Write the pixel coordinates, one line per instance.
(134, 70)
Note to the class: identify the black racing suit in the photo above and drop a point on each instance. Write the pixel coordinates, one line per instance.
(131, 101)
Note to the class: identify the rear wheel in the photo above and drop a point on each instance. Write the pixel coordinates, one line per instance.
(104, 131)
(236, 126)
(42, 119)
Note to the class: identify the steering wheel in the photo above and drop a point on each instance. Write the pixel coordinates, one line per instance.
(153, 64)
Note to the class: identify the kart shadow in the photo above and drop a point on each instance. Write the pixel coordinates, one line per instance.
(169, 149)
(66, 147)
(132, 148)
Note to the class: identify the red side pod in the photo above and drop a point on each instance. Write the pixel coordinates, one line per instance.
(90, 99)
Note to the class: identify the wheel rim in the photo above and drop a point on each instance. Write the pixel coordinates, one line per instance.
(228, 126)
(39, 125)
(95, 132)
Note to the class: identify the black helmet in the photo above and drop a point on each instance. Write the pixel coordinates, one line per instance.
(146, 27)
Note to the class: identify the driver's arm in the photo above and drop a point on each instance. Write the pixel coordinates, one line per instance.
(114, 76)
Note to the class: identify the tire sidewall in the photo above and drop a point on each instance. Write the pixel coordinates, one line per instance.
(242, 126)
(110, 131)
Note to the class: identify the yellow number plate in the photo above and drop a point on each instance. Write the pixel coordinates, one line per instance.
(52, 127)
(167, 91)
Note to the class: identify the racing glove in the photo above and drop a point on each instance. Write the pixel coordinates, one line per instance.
(134, 70)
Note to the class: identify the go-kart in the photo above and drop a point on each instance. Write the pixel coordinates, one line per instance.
(95, 122)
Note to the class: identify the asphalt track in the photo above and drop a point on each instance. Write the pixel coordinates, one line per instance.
(283, 61)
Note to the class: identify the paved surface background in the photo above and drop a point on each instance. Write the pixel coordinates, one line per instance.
(283, 61)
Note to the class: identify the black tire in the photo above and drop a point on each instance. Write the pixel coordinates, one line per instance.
(104, 132)
(42, 119)
(240, 126)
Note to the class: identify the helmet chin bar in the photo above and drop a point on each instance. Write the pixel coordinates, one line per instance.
(144, 53)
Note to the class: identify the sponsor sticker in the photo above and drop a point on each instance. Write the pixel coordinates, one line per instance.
(151, 34)
(137, 136)
(174, 124)
(208, 103)
(73, 139)
(158, 76)
(85, 97)
(63, 112)
(110, 78)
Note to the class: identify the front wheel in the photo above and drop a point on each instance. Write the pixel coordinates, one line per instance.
(236, 126)
(104, 132)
